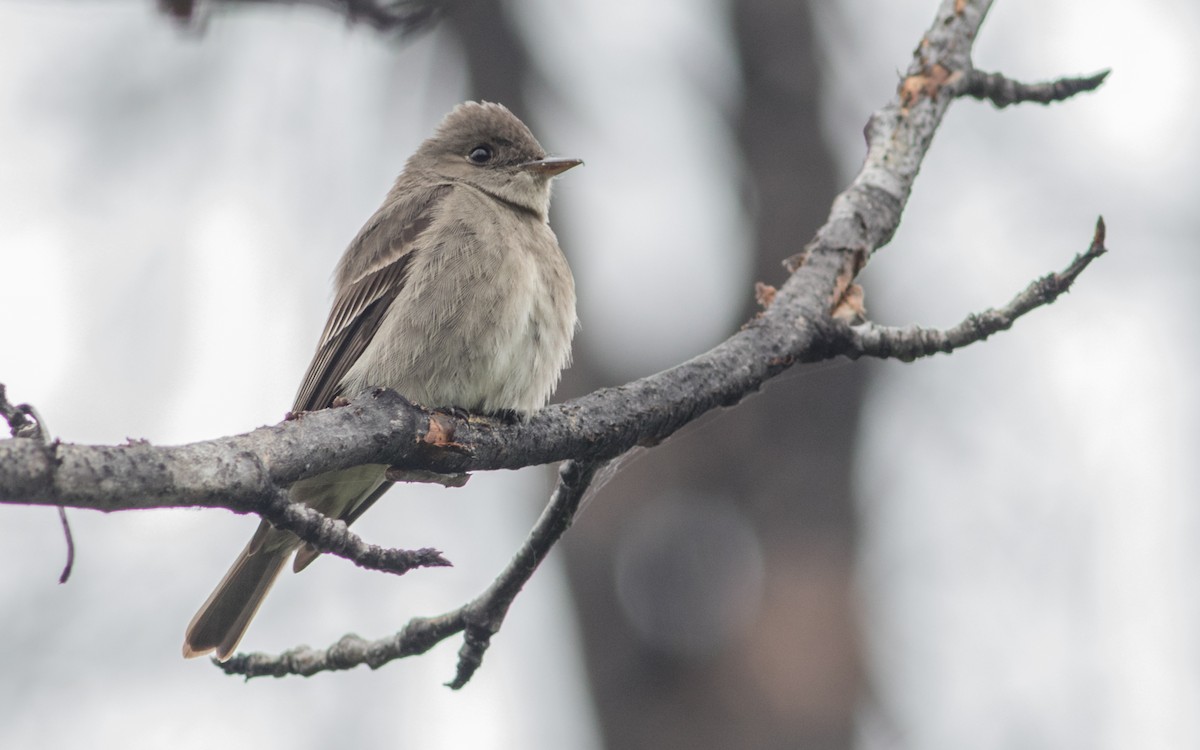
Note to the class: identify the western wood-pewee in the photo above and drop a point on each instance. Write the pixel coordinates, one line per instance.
(455, 294)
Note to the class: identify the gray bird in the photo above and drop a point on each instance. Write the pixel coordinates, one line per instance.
(455, 294)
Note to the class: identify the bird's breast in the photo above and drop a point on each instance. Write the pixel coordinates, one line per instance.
(486, 316)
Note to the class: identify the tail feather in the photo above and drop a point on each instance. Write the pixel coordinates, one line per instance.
(222, 620)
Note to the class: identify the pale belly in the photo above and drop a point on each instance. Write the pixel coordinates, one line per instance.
(486, 327)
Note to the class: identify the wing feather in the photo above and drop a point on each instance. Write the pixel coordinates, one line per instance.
(361, 304)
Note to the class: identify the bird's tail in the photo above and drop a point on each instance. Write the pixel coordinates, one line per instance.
(224, 617)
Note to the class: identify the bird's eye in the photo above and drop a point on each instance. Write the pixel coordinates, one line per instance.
(481, 154)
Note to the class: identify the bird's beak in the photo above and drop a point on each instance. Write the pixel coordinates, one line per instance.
(551, 166)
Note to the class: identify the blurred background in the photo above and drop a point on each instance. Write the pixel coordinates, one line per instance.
(995, 549)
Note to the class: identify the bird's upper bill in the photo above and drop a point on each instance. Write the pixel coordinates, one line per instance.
(551, 166)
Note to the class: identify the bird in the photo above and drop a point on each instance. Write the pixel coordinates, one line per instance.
(455, 294)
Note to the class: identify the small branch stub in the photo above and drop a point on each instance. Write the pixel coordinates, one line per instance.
(334, 536)
(1002, 91)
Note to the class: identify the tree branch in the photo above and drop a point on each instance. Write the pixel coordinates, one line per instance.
(246, 473)
(913, 342)
(1002, 91)
(243, 472)
(25, 422)
(334, 536)
(480, 618)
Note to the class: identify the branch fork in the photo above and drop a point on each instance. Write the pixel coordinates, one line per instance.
(816, 314)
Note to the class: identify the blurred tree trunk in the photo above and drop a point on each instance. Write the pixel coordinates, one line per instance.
(788, 677)
(497, 61)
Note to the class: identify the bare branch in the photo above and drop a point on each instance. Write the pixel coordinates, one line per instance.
(478, 620)
(246, 473)
(913, 342)
(25, 422)
(334, 536)
(1002, 91)
(243, 472)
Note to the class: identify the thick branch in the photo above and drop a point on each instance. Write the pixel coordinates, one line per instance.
(480, 618)
(243, 472)
(914, 342)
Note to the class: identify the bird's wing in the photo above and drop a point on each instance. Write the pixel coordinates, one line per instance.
(390, 240)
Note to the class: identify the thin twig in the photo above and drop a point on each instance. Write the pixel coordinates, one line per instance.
(1003, 91)
(66, 527)
(334, 536)
(36, 428)
(24, 422)
(913, 342)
